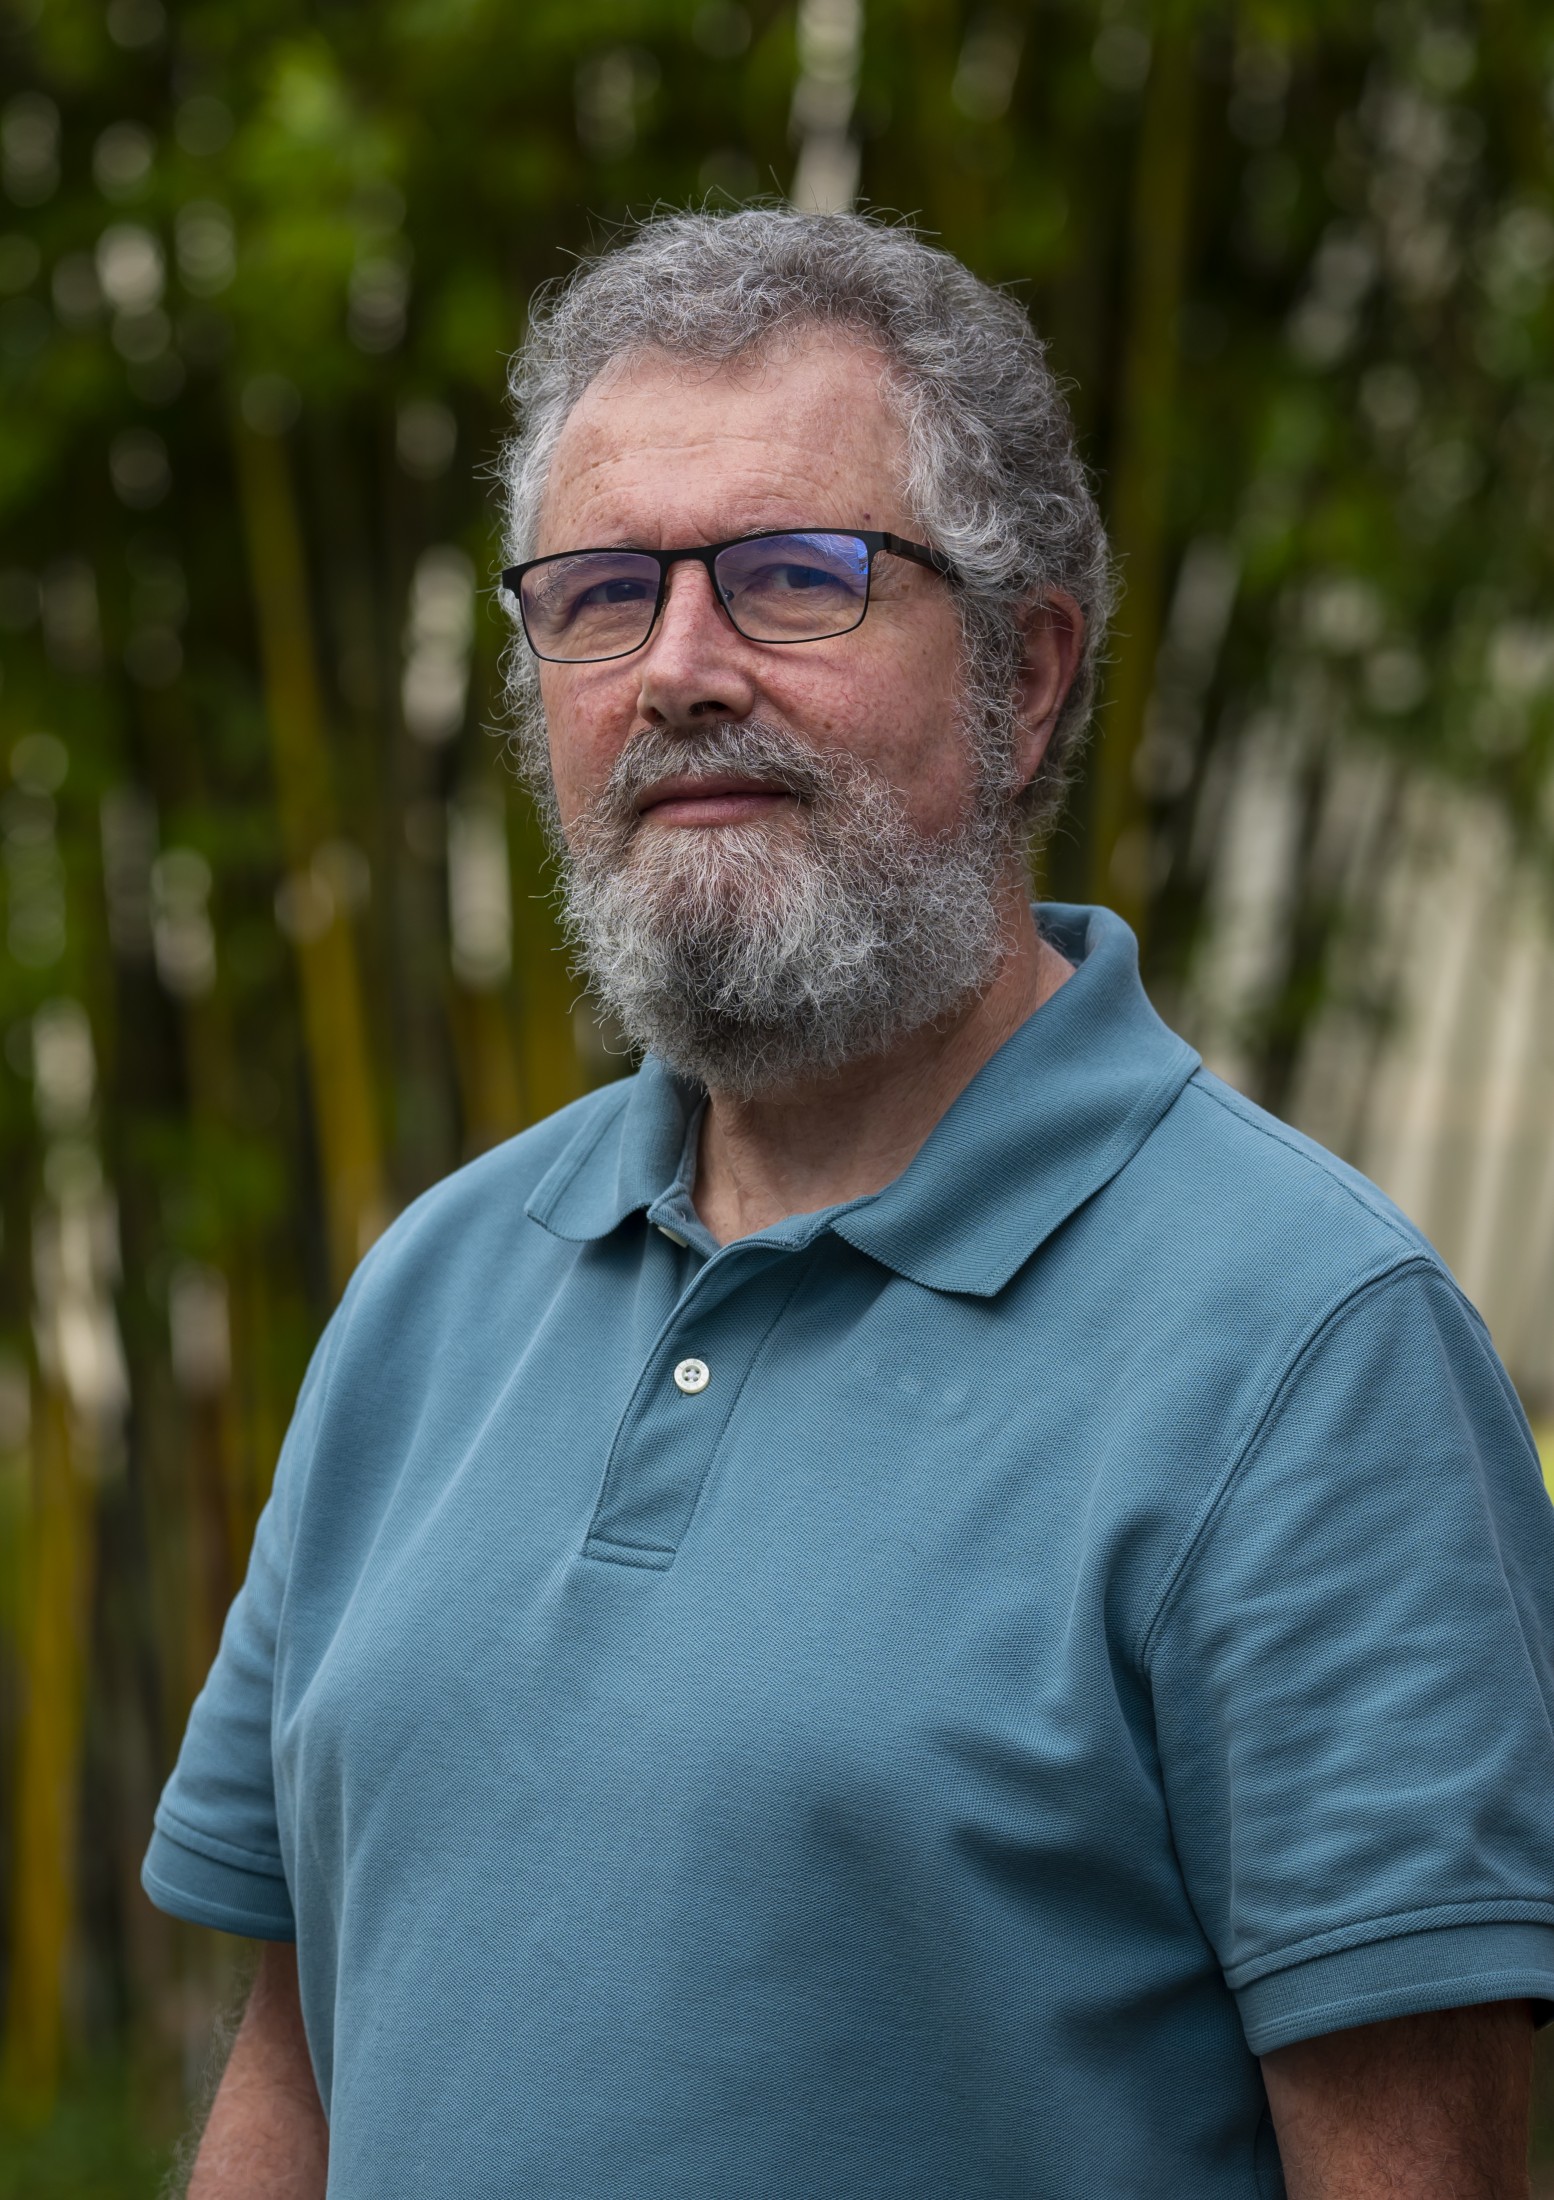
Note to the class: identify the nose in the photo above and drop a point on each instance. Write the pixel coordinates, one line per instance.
(694, 665)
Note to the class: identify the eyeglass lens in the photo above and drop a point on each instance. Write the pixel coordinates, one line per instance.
(775, 588)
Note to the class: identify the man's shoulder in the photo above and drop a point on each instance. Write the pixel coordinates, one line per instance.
(1259, 1210)
(1260, 1158)
(485, 1202)
(430, 1322)
(1296, 1339)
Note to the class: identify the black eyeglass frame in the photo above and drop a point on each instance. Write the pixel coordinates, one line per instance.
(705, 554)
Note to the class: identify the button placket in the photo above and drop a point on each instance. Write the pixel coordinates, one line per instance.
(674, 1422)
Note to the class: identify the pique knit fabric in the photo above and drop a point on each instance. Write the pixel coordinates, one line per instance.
(912, 1702)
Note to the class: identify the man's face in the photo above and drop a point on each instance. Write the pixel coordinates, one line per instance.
(779, 859)
(664, 454)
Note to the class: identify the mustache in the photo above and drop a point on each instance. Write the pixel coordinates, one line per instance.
(750, 746)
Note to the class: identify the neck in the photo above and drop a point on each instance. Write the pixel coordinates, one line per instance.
(855, 1129)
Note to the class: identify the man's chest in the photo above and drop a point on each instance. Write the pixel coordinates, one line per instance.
(830, 1766)
(854, 1575)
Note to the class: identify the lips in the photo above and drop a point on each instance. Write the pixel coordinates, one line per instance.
(709, 788)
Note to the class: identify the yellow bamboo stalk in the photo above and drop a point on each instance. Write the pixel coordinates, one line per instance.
(333, 1014)
(1162, 186)
(547, 992)
(48, 1766)
(553, 1073)
(490, 1081)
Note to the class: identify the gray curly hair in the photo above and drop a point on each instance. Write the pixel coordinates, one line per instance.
(993, 477)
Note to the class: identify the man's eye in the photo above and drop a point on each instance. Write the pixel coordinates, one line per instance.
(605, 592)
(790, 579)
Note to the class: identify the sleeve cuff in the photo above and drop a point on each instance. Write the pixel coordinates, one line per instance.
(208, 1890)
(1451, 1967)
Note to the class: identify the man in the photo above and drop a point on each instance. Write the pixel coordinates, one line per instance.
(916, 1600)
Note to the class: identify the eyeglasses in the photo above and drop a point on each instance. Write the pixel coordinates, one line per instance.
(582, 606)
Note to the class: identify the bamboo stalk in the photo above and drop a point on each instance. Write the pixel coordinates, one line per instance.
(333, 1015)
(1141, 476)
(43, 1877)
(547, 990)
(1511, 52)
(490, 1080)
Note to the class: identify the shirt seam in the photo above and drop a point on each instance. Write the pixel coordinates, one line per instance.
(1260, 1422)
(1277, 1134)
(607, 1550)
(183, 1902)
(1380, 1932)
(1454, 1990)
(194, 1838)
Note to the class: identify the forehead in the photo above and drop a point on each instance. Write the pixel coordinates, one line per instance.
(661, 450)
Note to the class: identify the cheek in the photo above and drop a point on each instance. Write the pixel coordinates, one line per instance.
(583, 728)
(898, 712)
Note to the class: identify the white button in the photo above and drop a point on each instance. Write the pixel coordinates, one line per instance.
(673, 1236)
(691, 1376)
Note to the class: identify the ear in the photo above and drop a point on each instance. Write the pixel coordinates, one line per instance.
(1054, 630)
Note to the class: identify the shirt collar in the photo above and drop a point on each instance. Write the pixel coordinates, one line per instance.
(1064, 1104)
(621, 1159)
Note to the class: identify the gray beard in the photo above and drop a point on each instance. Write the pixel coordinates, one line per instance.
(751, 958)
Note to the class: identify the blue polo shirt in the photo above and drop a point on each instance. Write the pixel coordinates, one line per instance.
(914, 1701)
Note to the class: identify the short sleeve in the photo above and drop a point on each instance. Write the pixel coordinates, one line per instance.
(1353, 1680)
(215, 1854)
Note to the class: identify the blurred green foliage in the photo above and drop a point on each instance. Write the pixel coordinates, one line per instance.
(96, 2146)
(278, 945)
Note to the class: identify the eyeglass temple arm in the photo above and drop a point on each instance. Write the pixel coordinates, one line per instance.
(918, 552)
